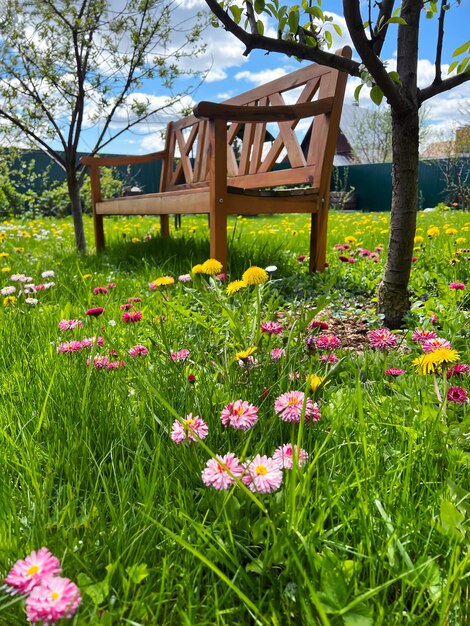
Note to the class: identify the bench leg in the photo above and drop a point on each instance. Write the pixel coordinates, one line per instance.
(318, 234)
(218, 237)
(165, 225)
(99, 232)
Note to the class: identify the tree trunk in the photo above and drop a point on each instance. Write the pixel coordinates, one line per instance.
(394, 300)
(77, 214)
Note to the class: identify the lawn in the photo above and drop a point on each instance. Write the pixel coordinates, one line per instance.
(199, 451)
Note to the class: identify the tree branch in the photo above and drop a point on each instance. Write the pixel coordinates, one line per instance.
(380, 32)
(289, 48)
(391, 91)
(444, 85)
(251, 18)
(440, 39)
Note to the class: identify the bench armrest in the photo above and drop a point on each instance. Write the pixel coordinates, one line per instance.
(244, 113)
(122, 160)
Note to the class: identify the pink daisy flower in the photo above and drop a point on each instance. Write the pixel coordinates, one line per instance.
(126, 307)
(100, 362)
(277, 354)
(434, 319)
(27, 573)
(240, 415)
(318, 324)
(114, 365)
(457, 394)
(185, 278)
(111, 285)
(382, 339)
(289, 407)
(394, 371)
(456, 370)
(69, 346)
(137, 351)
(221, 472)
(54, 598)
(100, 291)
(324, 342)
(70, 324)
(180, 355)
(433, 344)
(328, 358)
(272, 328)
(129, 318)
(262, 475)
(88, 342)
(98, 310)
(457, 285)
(284, 456)
(134, 299)
(420, 336)
(189, 429)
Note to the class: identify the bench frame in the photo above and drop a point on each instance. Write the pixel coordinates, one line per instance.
(217, 183)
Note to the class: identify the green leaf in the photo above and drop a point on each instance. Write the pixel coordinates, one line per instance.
(260, 26)
(259, 6)
(329, 38)
(376, 95)
(450, 518)
(293, 19)
(237, 12)
(338, 29)
(357, 91)
(396, 20)
(395, 76)
(137, 573)
(461, 49)
(98, 592)
(315, 12)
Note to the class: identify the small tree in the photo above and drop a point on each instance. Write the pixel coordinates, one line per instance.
(301, 29)
(71, 65)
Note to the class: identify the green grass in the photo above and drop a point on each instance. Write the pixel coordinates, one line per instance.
(373, 530)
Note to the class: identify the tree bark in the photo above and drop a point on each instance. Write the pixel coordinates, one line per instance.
(393, 297)
(77, 214)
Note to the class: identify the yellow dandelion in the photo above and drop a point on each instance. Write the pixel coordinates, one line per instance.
(87, 276)
(454, 261)
(244, 354)
(212, 267)
(4, 255)
(419, 239)
(198, 269)
(316, 381)
(19, 250)
(451, 231)
(465, 229)
(436, 360)
(9, 301)
(163, 281)
(255, 276)
(136, 240)
(235, 286)
(351, 240)
(6, 269)
(433, 231)
(460, 240)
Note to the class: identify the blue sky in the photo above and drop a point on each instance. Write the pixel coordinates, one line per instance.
(230, 73)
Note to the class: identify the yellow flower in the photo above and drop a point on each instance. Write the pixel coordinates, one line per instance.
(316, 381)
(255, 276)
(351, 240)
(244, 354)
(212, 267)
(454, 261)
(434, 361)
(451, 231)
(197, 269)
(419, 239)
(9, 300)
(163, 281)
(6, 269)
(3, 255)
(235, 286)
(460, 240)
(20, 250)
(433, 231)
(135, 240)
(86, 276)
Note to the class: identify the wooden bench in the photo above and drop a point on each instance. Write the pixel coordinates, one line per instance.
(205, 170)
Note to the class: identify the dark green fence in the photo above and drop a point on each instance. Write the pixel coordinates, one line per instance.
(372, 182)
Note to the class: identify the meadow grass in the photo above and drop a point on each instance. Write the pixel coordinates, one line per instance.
(373, 529)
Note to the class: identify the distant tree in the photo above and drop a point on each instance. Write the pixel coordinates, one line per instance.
(300, 31)
(67, 65)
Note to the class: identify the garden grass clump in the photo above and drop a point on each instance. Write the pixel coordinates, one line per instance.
(183, 446)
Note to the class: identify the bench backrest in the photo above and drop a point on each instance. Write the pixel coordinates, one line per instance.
(306, 150)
